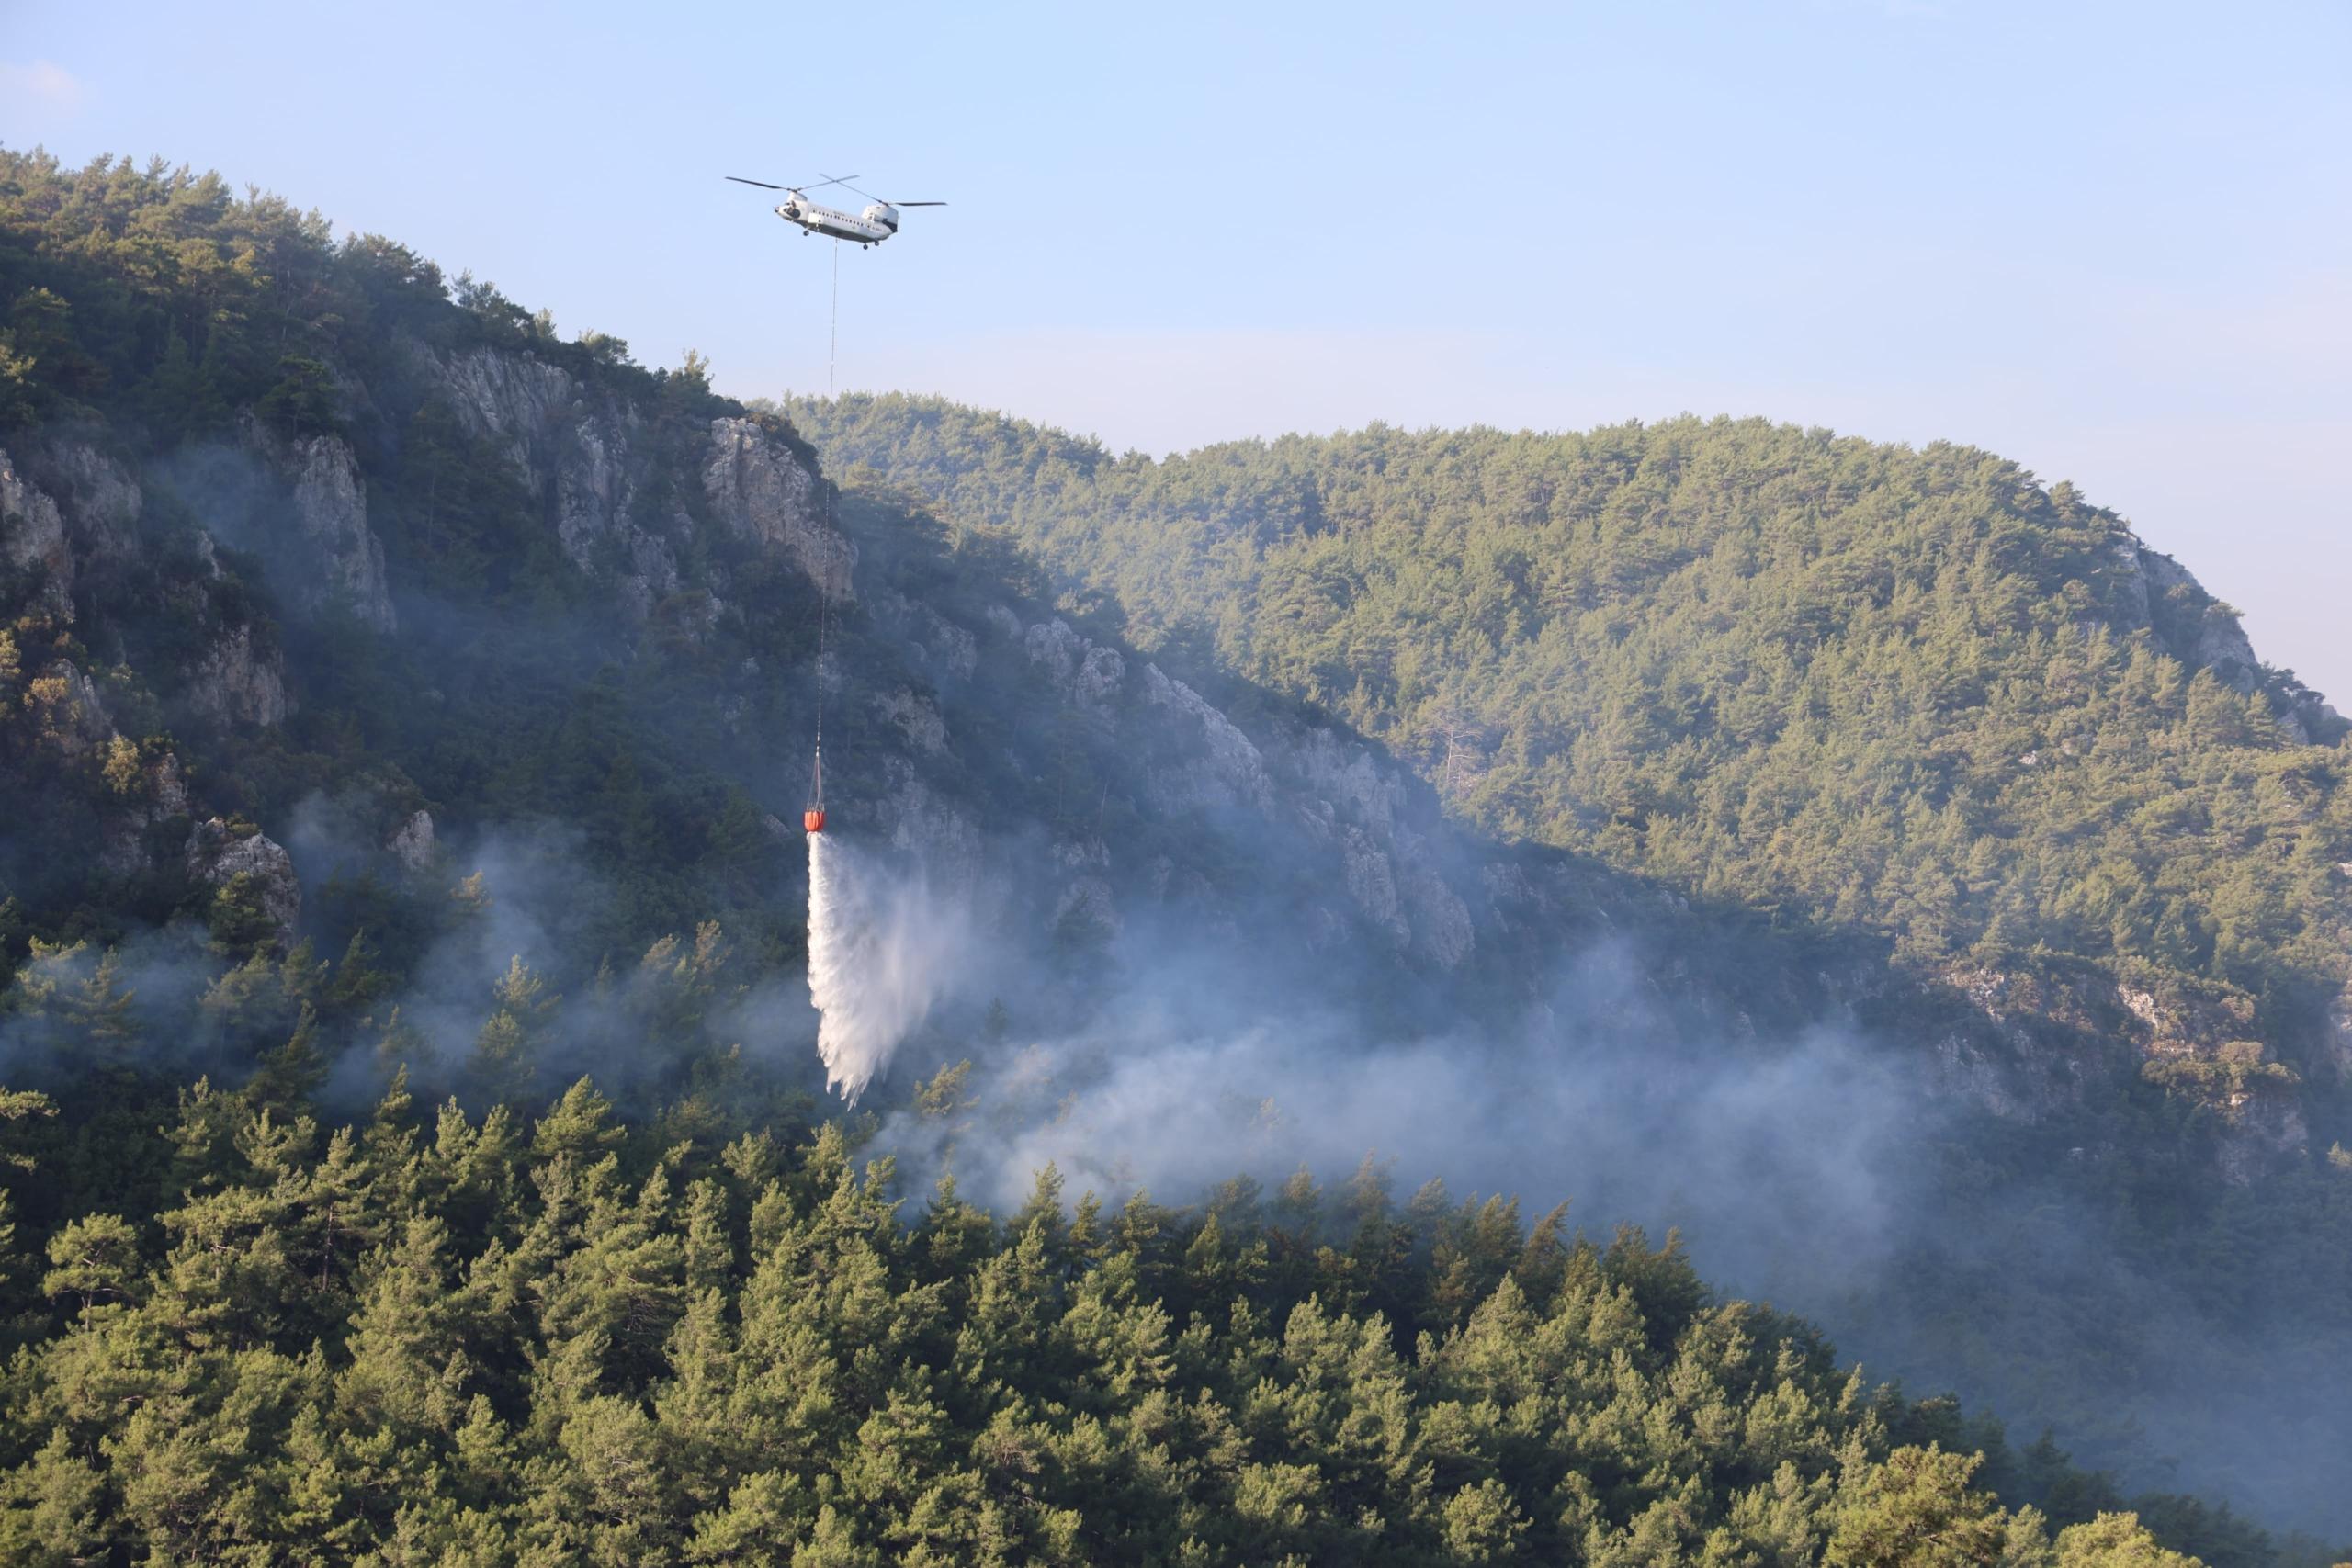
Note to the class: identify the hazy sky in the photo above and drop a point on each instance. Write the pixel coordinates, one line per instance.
(2113, 241)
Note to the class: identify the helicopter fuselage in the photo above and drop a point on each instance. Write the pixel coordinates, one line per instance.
(871, 227)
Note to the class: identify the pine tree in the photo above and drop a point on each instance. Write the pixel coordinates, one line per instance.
(504, 1064)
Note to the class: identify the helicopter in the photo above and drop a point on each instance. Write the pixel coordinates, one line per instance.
(869, 227)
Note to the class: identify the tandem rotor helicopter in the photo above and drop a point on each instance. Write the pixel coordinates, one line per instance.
(869, 227)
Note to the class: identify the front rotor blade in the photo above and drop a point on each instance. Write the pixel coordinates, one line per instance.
(761, 183)
(918, 203)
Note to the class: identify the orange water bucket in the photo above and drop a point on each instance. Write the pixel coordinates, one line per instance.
(813, 820)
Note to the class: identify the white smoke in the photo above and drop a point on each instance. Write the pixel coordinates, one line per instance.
(1784, 1166)
(882, 948)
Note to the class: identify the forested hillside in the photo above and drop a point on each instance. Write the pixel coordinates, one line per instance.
(415, 1144)
(1848, 687)
(492, 1340)
(1913, 690)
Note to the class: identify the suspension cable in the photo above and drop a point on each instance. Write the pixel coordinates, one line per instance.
(824, 618)
(824, 588)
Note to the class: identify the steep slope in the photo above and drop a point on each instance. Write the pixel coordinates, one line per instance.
(1913, 694)
(593, 1344)
(352, 613)
(1912, 691)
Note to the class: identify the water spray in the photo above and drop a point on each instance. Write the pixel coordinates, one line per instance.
(882, 948)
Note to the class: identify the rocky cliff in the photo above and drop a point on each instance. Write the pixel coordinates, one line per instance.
(336, 557)
(670, 529)
(2156, 592)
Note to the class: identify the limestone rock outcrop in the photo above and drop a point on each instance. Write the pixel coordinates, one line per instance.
(69, 712)
(217, 854)
(1224, 768)
(238, 682)
(413, 844)
(1377, 828)
(2155, 592)
(512, 400)
(32, 539)
(760, 490)
(575, 450)
(584, 455)
(330, 512)
(101, 500)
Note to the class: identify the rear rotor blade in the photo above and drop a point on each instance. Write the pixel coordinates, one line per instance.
(761, 183)
(843, 183)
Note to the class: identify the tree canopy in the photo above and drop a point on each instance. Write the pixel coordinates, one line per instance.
(1913, 691)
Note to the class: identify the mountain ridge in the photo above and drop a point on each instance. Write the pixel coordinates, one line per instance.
(1281, 533)
(489, 661)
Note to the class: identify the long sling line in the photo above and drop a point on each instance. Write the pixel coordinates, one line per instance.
(824, 594)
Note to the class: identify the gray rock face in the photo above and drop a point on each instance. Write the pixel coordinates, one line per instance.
(2131, 579)
(2265, 1132)
(917, 822)
(2339, 1034)
(163, 797)
(1392, 870)
(915, 717)
(2203, 634)
(237, 683)
(167, 790)
(2156, 592)
(1373, 885)
(71, 718)
(1439, 919)
(954, 651)
(2178, 1023)
(652, 576)
(761, 491)
(102, 502)
(1088, 675)
(330, 510)
(1379, 828)
(64, 504)
(512, 400)
(590, 487)
(575, 453)
(216, 855)
(1087, 907)
(413, 842)
(593, 496)
(72, 715)
(2039, 1044)
(1226, 768)
(32, 539)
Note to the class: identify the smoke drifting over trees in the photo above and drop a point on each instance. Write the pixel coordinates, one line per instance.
(402, 714)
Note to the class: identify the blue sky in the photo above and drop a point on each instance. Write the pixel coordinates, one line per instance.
(2113, 241)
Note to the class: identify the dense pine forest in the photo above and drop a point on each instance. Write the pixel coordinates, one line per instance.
(1914, 694)
(1910, 689)
(491, 1340)
(413, 1151)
